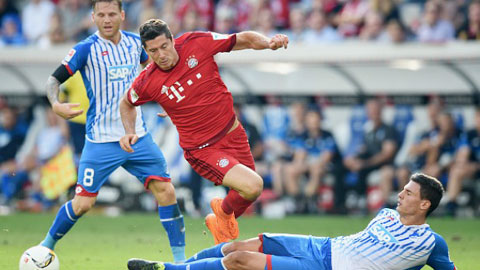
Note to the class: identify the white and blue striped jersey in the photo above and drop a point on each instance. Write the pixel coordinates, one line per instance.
(108, 70)
(388, 244)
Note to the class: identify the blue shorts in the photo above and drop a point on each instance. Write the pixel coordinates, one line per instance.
(99, 160)
(311, 252)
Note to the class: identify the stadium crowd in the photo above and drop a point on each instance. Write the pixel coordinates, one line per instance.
(47, 22)
(308, 167)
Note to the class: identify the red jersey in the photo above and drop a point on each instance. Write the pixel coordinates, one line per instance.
(192, 92)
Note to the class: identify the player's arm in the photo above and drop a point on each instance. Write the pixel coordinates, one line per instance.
(65, 110)
(439, 259)
(257, 41)
(128, 114)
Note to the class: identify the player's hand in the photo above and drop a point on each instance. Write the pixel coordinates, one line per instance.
(162, 114)
(66, 110)
(127, 141)
(278, 41)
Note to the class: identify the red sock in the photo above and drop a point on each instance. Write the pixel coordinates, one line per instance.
(234, 203)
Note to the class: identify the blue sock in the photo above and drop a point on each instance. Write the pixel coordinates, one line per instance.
(172, 221)
(205, 264)
(64, 221)
(213, 252)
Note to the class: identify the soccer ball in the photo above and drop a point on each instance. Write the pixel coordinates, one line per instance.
(39, 258)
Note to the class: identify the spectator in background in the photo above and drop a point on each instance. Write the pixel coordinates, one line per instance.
(36, 19)
(56, 33)
(225, 20)
(456, 12)
(442, 147)
(296, 32)
(396, 33)
(50, 140)
(266, 23)
(330, 7)
(434, 28)
(280, 10)
(417, 154)
(317, 156)
(11, 32)
(377, 152)
(471, 29)
(75, 19)
(373, 30)
(319, 30)
(351, 17)
(141, 11)
(282, 135)
(386, 8)
(204, 10)
(241, 10)
(12, 135)
(7, 8)
(174, 24)
(466, 164)
(191, 22)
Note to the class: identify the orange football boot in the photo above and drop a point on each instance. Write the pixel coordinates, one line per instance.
(212, 225)
(227, 224)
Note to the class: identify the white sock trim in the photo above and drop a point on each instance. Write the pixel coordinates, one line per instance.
(68, 212)
(171, 219)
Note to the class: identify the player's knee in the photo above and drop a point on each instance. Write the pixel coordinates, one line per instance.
(163, 188)
(82, 205)
(254, 187)
(236, 260)
(163, 191)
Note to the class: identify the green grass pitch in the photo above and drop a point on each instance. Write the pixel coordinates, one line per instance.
(103, 243)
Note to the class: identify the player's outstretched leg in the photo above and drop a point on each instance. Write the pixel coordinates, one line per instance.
(172, 221)
(171, 217)
(65, 220)
(245, 186)
(205, 264)
(213, 252)
(237, 260)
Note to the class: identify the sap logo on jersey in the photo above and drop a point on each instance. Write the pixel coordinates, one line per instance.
(119, 73)
(379, 232)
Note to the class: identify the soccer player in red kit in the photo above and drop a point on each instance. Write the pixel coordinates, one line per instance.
(185, 81)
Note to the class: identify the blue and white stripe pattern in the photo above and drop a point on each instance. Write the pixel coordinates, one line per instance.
(385, 244)
(108, 71)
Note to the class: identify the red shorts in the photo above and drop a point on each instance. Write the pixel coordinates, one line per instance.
(214, 161)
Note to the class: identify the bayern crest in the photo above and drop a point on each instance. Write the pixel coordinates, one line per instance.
(223, 162)
(192, 61)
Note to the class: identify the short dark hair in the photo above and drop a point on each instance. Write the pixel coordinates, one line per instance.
(153, 28)
(119, 2)
(430, 189)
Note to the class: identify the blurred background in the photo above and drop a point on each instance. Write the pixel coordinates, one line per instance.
(368, 92)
